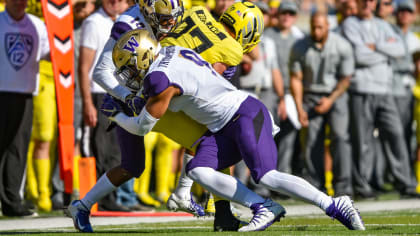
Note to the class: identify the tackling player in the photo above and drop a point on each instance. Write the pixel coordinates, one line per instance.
(240, 126)
(132, 152)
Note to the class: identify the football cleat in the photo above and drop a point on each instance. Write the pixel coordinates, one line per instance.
(344, 211)
(265, 214)
(188, 205)
(80, 216)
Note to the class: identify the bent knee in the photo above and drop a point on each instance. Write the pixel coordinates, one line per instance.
(198, 173)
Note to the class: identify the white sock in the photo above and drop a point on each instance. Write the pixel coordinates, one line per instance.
(295, 187)
(183, 189)
(100, 190)
(224, 186)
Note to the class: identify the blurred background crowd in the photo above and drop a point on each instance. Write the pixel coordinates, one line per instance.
(341, 78)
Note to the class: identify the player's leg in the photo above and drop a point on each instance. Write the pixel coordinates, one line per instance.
(132, 165)
(252, 135)
(143, 183)
(218, 152)
(181, 198)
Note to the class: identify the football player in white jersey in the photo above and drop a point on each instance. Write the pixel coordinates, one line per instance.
(240, 127)
(132, 153)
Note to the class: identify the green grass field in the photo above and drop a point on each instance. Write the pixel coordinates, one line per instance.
(379, 223)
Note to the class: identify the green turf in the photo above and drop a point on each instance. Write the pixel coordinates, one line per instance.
(379, 223)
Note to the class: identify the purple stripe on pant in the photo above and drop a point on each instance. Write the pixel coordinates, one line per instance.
(132, 151)
(247, 136)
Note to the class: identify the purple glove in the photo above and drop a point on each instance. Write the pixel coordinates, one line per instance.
(229, 72)
(110, 107)
(135, 103)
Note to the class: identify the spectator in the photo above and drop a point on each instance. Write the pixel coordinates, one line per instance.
(81, 10)
(372, 105)
(347, 8)
(384, 9)
(42, 146)
(284, 38)
(321, 66)
(416, 92)
(25, 41)
(404, 68)
(102, 145)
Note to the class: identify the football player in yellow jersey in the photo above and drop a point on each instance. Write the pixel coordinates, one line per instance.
(220, 44)
(245, 27)
(202, 33)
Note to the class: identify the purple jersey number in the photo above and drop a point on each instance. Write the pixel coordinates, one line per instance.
(192, 56)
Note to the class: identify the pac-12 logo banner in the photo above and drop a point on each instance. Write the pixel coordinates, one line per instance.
(19, 48)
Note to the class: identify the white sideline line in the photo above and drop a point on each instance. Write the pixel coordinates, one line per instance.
(306, 210)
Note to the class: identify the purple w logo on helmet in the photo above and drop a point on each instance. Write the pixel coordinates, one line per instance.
(131, 45)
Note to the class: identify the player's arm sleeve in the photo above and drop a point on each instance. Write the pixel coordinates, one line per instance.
(364, 56)
(139, 125)
(104, 73)
(233, 55)
(156, 82)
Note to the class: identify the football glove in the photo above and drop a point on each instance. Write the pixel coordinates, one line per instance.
(110, 108)
(229, 72)
(135, 103)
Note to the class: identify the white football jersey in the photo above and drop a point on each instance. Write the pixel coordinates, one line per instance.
(104, 70)
(206, 97)
(24, 43)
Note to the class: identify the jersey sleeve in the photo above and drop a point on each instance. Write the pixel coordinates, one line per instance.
(119, 28)
(228, 51)
(156, 82)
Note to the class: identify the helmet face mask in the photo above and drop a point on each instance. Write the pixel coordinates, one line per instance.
(129, 77)
(132, 55)
(167, 14)
(246, 21)
(146, 9)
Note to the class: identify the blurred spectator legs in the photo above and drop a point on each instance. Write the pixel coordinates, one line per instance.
(369, 110)
(14, 141)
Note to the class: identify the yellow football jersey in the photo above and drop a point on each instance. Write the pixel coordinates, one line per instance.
(202, 33)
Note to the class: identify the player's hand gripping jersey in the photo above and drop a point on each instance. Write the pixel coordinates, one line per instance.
(200, 32)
